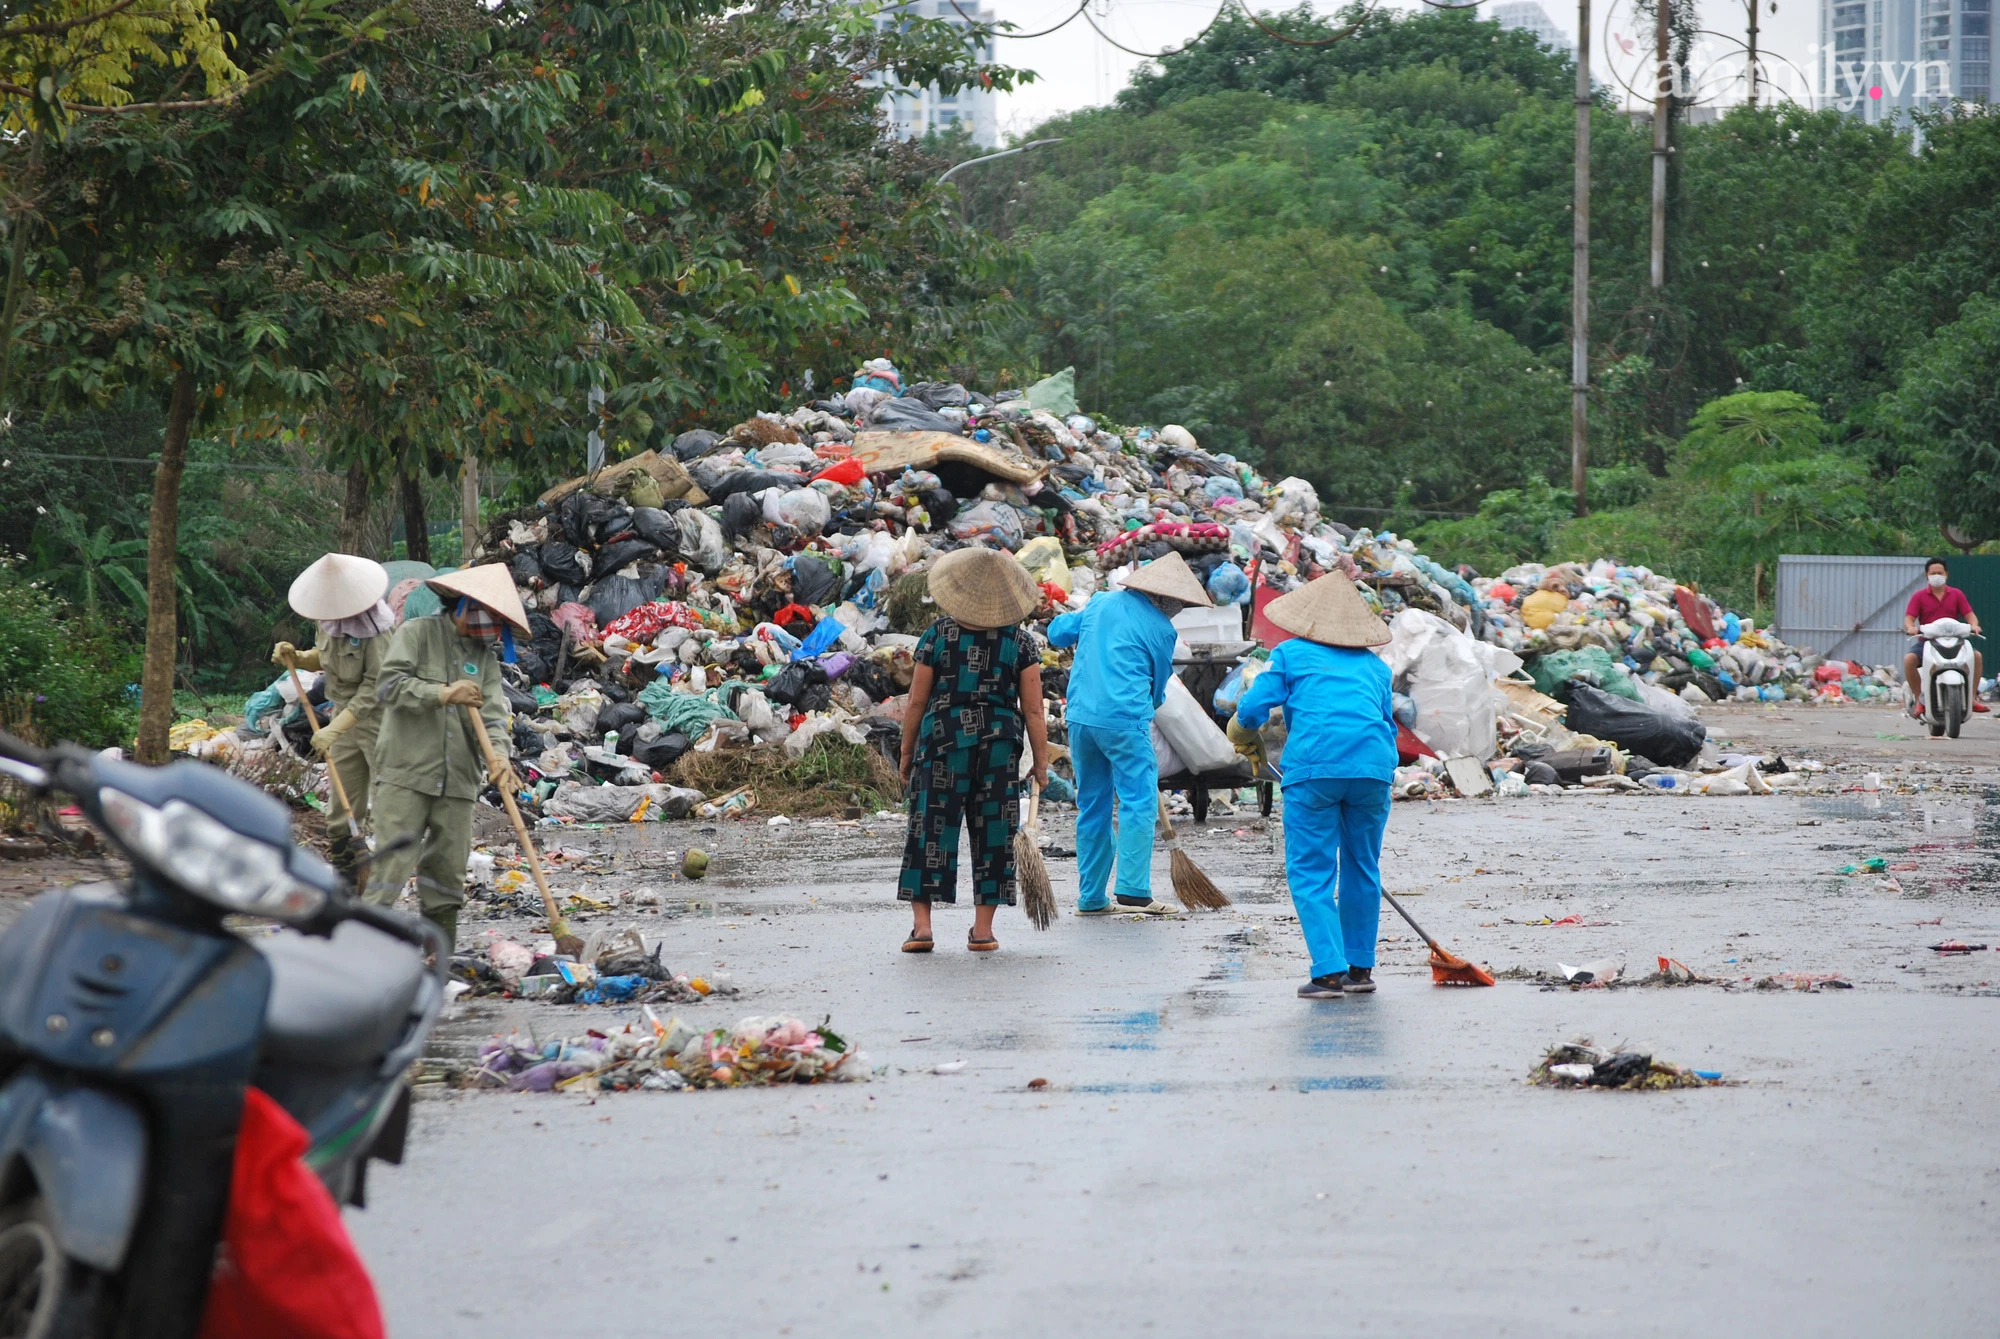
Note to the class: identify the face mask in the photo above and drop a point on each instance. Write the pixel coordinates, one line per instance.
(1937, 580)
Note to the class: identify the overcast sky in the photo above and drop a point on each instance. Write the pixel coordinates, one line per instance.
(1077, 68)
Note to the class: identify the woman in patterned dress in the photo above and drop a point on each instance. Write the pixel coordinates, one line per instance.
(976, 694)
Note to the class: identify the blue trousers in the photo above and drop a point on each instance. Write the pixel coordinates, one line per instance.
(1333, 839)
(1107, 763)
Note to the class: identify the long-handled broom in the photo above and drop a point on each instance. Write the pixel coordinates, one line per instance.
(566, 942)
(1447, 969)
(1196, 891)
(332, 772)
(1038, 895)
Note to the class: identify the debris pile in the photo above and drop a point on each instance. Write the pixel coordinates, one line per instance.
(736, 610)
(1578, 1064)
(613, 969)
(663, 1057)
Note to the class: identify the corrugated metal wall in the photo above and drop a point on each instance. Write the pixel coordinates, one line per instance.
(1849, 608)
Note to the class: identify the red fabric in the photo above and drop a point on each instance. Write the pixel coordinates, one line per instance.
(286, 1266)
(1409, 748)
(645, 622)
(1927, 606)
(848, 472)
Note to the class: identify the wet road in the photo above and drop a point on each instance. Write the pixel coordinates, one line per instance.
(1213, 1155)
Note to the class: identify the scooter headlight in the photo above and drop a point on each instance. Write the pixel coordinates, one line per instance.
(209, 859)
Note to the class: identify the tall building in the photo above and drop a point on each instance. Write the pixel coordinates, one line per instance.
(1527, 14)
(1881, 59)
(914, 112)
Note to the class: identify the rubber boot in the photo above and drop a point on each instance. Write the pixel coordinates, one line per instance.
(446, 919)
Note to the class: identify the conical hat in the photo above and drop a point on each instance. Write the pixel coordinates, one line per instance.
(490, 584)
(1171, 578)
(338, 586)
(1328, 610)
(983, 588)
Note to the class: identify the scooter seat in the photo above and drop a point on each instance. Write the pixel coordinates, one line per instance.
(337, 1003)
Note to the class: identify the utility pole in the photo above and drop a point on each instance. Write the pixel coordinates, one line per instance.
(1579, 361)
(1663, 107)
(1750, 70)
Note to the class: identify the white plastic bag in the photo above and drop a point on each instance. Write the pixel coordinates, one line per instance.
(1199, 742)
(1449, 676)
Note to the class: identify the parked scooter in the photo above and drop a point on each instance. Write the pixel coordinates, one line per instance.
(1945, 675)
(132, 1018)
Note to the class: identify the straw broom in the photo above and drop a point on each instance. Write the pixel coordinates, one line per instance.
(1196, 891)
(1038, 895)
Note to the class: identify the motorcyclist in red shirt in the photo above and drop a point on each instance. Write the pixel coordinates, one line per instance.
(1934, 600)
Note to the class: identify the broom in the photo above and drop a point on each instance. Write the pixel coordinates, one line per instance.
(566, 942)
(1038, 895)
(1447, 969)
(1196, 891)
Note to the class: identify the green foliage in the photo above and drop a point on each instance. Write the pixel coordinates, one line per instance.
(63, 674)
(1946, 411)
(1513, 525)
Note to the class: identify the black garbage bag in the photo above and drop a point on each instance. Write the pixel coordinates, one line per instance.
(695, 443)
(547, 640)
(794, 682)
(528, 740)
(619, 715)
(908, 415)
(656, 526)
(526, 568)
(533, 668)
(561, 565)
(616, 555)
(1540, 774)
(1668, 739)
(661, 752)
(609, 520)
(614, 596)
(813, 582)
(941, 505)
(519, 700)
(752, 481)
(573, 517)
(873, 678)
(938, 394)
(740, 515)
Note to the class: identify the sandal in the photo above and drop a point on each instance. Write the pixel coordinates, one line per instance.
(981, 945)
(917, 943)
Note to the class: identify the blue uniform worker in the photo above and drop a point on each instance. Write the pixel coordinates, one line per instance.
(1124, 644)
(1340, 757)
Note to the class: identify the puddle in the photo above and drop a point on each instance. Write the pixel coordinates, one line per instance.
(1345, 1083)
(1123, 1032)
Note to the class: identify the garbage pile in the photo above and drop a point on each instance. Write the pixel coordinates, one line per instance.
(736, 613)
(613, 969)
(664, 1057)
(1579, 1064)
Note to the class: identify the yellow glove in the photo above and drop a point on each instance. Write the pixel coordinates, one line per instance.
(323, 738)
(284, 653)
(502, 776)
(461, 693)
(1248, 742)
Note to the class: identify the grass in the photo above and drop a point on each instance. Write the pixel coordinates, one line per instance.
(829, 777)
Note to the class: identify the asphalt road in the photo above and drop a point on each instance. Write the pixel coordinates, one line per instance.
(1212, 1155)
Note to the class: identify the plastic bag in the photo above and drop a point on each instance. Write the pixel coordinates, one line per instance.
(616, 556)
(1448, 675)
(908, 416)
(701, 540)
(657, 528)
(1235, 684)
(1199, 742)
(1592, 665)
(563, 564)
(1043, 557)
(994, 524)
(805, 509)
(1055, 393)
(1228, 584)
(612, 597)
(1666, 738)
(813, 582)
(288, 1266)
(1167, 760)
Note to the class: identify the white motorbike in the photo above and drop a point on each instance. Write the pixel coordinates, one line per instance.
(1945, 676)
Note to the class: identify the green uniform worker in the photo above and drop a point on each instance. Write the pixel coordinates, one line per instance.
(429, 767)
(345, 596)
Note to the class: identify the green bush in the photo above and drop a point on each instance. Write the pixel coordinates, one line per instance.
(63, 676)
(1514, 525)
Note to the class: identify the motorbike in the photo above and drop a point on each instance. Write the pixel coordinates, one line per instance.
(133, 1017)
(1945, 675)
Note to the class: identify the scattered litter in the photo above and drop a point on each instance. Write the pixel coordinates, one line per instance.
(1579, 1064)
(1956, 946)
(662, 1057)
(1601, 972)
(949, 1067)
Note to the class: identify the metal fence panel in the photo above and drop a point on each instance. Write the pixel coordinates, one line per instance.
(1847, 607)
